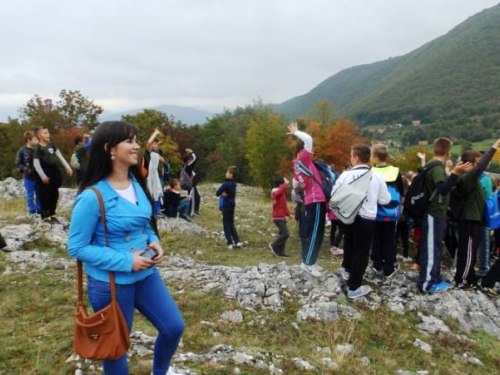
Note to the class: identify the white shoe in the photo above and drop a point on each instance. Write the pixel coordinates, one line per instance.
(310, 270)
(345, 274)
(318, 267)
(230, 247)
(239, 244)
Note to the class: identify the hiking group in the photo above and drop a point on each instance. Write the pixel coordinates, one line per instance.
(368, 207)
(371, 204)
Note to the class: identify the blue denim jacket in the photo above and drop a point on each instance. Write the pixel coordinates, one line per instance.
(129, 230)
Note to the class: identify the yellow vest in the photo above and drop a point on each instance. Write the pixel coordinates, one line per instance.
(388, 172)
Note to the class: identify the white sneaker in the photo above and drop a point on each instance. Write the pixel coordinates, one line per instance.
(230, 247)
(345, 274)
(363, 290)
(239, 244)
(316, 266)
(336, 251)
(310, 270)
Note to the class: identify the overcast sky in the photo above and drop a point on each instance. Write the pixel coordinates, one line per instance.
(207, 54)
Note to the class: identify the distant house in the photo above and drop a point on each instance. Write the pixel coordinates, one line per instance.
(423, 143)
(416, 122)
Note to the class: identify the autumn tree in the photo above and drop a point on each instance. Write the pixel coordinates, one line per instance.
(72, 109)
(147, 121)
(333, 144)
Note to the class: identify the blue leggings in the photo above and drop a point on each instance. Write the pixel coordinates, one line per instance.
(151, 297)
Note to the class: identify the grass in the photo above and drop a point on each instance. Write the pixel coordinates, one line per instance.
(36, 309)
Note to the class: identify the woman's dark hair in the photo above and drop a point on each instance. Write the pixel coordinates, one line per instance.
(99, 165)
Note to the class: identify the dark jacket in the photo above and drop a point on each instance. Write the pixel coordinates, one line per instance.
(472, 190)
(228, 187)
(24, 163)
(171, 201)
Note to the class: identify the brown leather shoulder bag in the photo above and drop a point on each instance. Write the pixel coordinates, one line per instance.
(103, 334)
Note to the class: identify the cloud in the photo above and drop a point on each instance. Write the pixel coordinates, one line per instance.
(210, 54)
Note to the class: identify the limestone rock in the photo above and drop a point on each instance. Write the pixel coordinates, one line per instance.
(423, 345)
(234, 316)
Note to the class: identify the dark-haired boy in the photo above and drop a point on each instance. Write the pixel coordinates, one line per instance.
(433, 223)
(280, 215)
(24, 164)
(46, 156)
(470, 228)
(82, 145)
(228, 191)
(358, 235)
(314, 201)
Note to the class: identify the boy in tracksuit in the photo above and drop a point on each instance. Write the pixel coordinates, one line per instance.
(24, 163)
(433, 223)
(228, 191)
(280, 215)
(384, 234)
(314, 202)
(483, 256)
(471, 220)
(358, 235)
(46, 158)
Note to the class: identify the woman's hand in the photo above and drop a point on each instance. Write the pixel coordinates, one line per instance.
(140, 263)
(158, 248)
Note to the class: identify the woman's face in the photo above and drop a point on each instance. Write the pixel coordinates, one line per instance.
(126, 152)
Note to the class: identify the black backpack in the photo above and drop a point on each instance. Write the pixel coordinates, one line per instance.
(417, 198)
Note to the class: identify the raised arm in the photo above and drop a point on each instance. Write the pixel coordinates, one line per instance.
(304, 137)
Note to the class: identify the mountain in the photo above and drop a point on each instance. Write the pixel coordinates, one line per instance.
(456, 76)
(186, 115)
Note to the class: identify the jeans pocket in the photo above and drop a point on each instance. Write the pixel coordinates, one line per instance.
(99, 293)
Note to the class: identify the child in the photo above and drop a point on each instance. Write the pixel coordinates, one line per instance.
(358, 235)
(190, 161)
(24, 163)
(433, 223)
(470, 229)
(174, 203)
(314, 201)
(228, 191)
(45, 159)
(280, 213)
(384, 233)
(82, 146)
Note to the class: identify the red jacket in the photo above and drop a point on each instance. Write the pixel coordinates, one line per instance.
(280, 208)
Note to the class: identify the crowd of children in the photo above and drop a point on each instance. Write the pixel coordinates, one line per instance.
(378, 205)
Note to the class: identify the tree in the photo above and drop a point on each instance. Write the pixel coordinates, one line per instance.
(72, 110)
(147, 121)
(266, 148)
(334, 142)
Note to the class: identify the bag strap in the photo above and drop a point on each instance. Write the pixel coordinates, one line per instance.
(79, 262)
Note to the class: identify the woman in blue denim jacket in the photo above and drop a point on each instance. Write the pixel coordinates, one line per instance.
(114, 172)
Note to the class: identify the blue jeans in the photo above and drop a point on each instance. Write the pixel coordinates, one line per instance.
(32, 196)
(151, 297)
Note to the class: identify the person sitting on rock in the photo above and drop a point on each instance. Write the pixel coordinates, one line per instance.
(173, 203)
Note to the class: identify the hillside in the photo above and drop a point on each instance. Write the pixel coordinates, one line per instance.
(454, 77)
(186, 115)
(245, 311)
